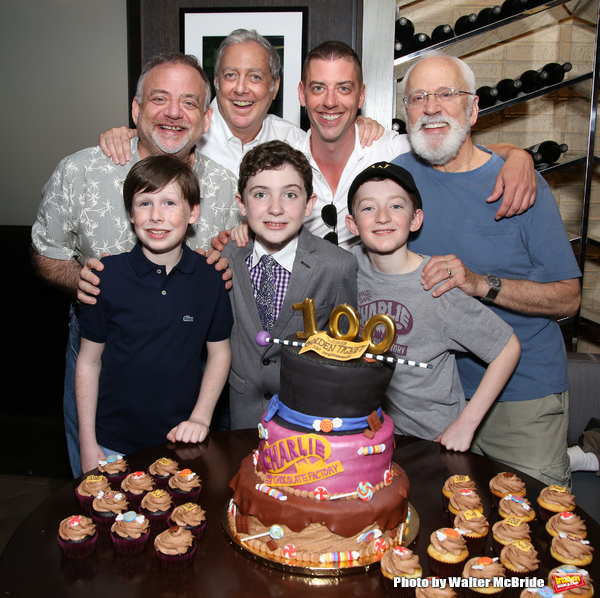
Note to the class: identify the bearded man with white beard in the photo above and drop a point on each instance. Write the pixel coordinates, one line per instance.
(523, 267)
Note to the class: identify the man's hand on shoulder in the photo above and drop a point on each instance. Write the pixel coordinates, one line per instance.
(369, 131)
(88, 288)
(115, 144)
(450, 269)
(516, 183)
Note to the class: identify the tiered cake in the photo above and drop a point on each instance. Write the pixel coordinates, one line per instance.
(322, 487)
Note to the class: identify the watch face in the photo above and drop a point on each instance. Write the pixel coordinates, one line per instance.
(493, 281)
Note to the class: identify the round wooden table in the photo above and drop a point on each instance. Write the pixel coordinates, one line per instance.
(32, 564)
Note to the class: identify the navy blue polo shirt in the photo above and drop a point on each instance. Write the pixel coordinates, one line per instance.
(154, 327)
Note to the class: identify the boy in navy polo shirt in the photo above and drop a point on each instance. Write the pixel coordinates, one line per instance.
(139, 378)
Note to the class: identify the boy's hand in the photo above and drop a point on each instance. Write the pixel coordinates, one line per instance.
(115, 144)
(88, 281)
(89, 457)
(188, 431)
(456, 437)
(450, 269)
(369, 131)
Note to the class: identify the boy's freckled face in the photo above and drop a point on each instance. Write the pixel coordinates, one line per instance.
(160, 220)
(275, 205)
(383, 216)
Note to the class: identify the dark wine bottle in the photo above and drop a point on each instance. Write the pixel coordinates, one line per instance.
(419, 41)
(556, 72)
(533, 80)
(399, 126)
(465, 24)
(488, 96)
(400, 48)
(508, 89)
(404, 29)
(513, 7)
(547, 152)
(442, 33)
(489, 15)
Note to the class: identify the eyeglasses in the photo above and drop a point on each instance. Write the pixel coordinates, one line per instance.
(444, 94)
(329, 216)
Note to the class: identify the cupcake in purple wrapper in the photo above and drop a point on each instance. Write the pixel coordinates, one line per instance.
(190, 516)
(175, 548)
(156, 506)
(474, 527)
(447, 552)
(105, 508)
(162, 469)
(114, 468)
(135, 485)
(130, 533)
(89, 488)
(77, 537)
(184, 486)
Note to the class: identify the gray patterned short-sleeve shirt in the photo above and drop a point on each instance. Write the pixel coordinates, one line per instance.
(83, 215)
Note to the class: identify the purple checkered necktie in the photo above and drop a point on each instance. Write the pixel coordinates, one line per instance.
(265, 299)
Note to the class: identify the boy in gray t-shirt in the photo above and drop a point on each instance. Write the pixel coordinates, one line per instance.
(384, 207)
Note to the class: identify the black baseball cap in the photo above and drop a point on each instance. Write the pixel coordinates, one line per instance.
(386, 170)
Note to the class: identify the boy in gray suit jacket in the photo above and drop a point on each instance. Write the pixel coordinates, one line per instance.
(282, 264)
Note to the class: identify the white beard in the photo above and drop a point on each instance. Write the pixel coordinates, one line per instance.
(443, 148)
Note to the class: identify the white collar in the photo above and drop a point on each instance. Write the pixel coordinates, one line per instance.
(284, 258)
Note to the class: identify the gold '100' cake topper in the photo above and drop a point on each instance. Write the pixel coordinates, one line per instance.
(338, 345)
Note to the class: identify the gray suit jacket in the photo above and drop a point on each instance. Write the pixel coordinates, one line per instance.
(322, 272)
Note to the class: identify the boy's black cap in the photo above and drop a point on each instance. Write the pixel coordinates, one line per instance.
(385, 170)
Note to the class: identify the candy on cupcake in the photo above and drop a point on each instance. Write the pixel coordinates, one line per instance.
(130, 533)
(156, 506)
(464, 499)
(135, 485)
(515, 505)
(89, 488)
(519, 558)
(508, 530)
(454, 483)
(162, 469)
(487, 568)
(571, 582)
(571, 549)
(555, 499)
(399, 562)
(105, 508)
(506, 483)
(568, 523)
(114, 467)
(474, 527)
(447, 552)
(190, 516)
(184, 486)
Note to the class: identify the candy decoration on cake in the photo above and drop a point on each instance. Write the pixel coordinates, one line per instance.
(373, 449)
(369, 536)
(262, 432)
(232, 508)
(271, 491)
(289, 551)
(387, 476)
(136, 475)
(321, 493)
(365, 491)
(327, 425)
(276, 532)
(74, 521)
(380, 545)
(339, 557)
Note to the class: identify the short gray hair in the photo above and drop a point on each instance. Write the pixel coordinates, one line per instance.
(240, 36)
(173, 58)
(465, 70)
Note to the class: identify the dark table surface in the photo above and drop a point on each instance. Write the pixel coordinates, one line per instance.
(32, 564)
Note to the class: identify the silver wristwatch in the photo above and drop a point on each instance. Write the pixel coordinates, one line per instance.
(495, 287)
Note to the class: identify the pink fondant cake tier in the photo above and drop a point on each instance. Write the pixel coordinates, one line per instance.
(305, 462)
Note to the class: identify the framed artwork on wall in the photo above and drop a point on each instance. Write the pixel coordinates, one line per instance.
(203, 29)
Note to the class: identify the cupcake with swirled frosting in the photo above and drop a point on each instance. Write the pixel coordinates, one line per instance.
(555, 499)
(89, 488)
(135, 485)
(487, 569)
(571, 549)
(475, 528)
(571, 582)
(190, 516)
(520, 558)
(77, 537)
(506, 483)
(508, 530)
(453, 484)
(115, 468)
(105, 508)
(184, 486)
(567, 523)
(465, 499)
(515, 505)
(162, 469)
(156, 506)
(175, 548)
(130, 533)
(447, 552)
(399, 562)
